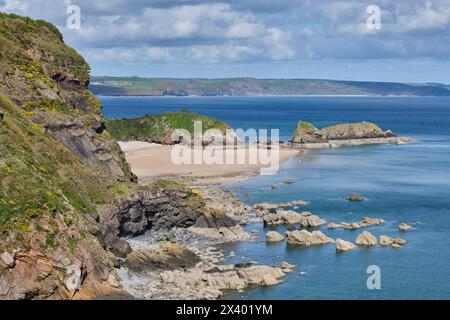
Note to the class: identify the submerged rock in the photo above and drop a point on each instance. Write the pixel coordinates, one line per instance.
(366, 239)
(405, 227)
(274, 236)
(366, 222)
(305, 238)
(355, 197)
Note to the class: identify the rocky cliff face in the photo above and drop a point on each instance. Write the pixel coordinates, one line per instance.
(66, 200)
(48, 81)
(307, 133)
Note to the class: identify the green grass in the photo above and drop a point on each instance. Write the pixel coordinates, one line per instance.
(160, 127)
(39, 177)
(303, 125)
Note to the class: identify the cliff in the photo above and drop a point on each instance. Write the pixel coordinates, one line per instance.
(68, 197)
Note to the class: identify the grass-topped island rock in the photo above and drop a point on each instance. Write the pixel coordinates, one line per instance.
(307, 136)
(165, 128)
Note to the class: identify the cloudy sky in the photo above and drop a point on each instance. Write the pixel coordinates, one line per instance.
(258, 38)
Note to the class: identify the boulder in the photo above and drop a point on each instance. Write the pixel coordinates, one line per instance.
(366, 239)
(274, 236)
(405, 227)
(393, 242)
(7, 260)
(305, 238)
(386, 241)
(306, 219)
(343, 246)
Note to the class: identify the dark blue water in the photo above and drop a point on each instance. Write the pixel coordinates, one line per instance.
(406, 183)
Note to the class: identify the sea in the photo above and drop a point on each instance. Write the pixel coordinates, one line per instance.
(401, 183)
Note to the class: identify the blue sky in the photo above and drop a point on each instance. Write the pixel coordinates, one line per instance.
(258, 38)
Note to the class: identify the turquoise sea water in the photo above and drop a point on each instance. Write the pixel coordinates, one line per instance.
(405, 183)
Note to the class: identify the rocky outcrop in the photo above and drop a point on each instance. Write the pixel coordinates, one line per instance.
(209, 283)
(49, 81)
(307, 133)
(343, 246)
(168, 257)
(158, 208)
(305, 219)
(175, 273)
(306, 239)
(342, 135)
(366, 222)
(366, 239)
(361, 130)
(273, 236)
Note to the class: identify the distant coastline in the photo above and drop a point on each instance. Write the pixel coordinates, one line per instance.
(246, 87)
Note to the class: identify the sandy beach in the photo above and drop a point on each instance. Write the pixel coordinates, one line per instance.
(149, 161)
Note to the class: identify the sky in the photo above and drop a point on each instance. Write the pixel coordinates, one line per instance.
(309, 39)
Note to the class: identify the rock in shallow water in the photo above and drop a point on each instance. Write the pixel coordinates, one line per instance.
(366, 239)
(355, 197)
(274, 236)
(343, 246)
(305, 238)
(306, 219)
(405, 227)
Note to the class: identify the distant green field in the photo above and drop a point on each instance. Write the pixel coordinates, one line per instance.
(117, 86)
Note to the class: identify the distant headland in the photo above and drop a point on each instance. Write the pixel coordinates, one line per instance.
(136, 86)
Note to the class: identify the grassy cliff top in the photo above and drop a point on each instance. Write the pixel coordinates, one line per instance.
(159, 128)
(24, 40)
